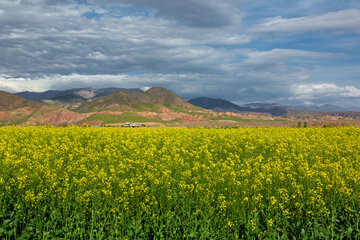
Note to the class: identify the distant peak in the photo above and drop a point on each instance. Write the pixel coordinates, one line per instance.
(165, 96)
(153, 89)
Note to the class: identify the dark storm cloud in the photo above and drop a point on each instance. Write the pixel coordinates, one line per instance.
(42, 41)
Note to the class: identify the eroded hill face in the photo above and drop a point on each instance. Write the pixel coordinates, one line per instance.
(55, 115)
(10, 102)
(15, 110)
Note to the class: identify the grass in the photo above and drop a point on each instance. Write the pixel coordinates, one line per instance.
(110, 118)
(237, 119)
(147, 107)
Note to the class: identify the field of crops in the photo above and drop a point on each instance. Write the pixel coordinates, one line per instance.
(179, 183)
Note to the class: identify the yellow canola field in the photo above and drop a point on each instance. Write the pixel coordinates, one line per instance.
(179, 183)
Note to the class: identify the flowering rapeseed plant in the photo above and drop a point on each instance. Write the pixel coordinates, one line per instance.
(179, 183)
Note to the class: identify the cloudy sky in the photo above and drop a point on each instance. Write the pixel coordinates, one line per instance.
(290, 52)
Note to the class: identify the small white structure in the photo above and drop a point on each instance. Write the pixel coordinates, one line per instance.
(129, 124)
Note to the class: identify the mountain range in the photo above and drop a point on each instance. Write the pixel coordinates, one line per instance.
(155, 106)
(87, 106)
(322, 108)
(79, 95)
(221, 105)
(70, 96)
(218, 105)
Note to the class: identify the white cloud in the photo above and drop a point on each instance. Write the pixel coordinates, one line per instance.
(230, 39)
(57, 39)
(345, 20)
(61, 82)
(324, 90)
(284, 54)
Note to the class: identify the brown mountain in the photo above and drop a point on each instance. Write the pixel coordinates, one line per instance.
(18, 110)
(154, 106)
(157, 105)
(124, 100)
(10, 102)
(69, 96)
(164, 96)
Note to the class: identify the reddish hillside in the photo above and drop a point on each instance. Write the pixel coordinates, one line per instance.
(10, 102)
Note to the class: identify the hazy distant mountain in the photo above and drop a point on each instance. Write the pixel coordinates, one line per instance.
(221, 105)
(271, 108)
(322, 108)
(260, 105)
(75, 95)
(218, 105)
(275, 110)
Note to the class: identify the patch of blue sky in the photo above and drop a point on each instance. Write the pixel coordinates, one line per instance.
(137, 73)
(259, 10)
(82, 2)
(317, 62)
(342, 75)
(93, 15)
(324, 41)
(128, 11)
(225, 46)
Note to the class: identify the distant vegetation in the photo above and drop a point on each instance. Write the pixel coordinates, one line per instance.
(110, 118)
(237, 119)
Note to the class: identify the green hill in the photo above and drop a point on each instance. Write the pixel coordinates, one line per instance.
(124, 100)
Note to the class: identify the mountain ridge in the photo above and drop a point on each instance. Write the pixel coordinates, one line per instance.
(126, 100)
(218, 105)
(222, 105)
(10, 102)
(157, 105)
(70, 96)
(323, 108)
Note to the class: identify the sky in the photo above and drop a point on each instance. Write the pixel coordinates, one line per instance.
(279, 51)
